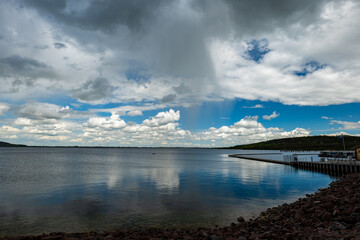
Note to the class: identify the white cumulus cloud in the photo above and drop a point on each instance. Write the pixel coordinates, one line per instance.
(347, 124)
(109, 123)
(162, 118)
(272, 116)
(134, 113)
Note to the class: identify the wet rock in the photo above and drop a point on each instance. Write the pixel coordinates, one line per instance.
(53, 237)
(254, 236)
(214, 237)
(335, 212)
(240, 219)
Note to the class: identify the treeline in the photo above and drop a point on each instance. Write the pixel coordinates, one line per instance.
(305, 143)
(5, 144)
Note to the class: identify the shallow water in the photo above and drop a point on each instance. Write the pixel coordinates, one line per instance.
(82, 189)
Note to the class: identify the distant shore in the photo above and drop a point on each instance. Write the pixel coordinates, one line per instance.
(309, 143)
(330, 213)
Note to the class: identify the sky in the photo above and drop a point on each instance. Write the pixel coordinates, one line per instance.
(177, 73)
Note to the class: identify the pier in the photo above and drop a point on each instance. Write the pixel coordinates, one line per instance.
(331, 168)
(335, 167)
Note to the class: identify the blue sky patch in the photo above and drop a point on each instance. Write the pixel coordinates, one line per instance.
(310, 67)
(257, 49)
(137, 72)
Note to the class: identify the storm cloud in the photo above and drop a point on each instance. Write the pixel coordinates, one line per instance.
(130, 58)
(100, 15)
(93, 90)
(17, 65)
(59, 45)
(205, 46)
(20, 71)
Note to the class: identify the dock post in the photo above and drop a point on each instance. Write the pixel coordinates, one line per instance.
(332, 168)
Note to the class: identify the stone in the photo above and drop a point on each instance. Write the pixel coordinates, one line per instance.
(214, 237)
(56, 237)
(341, 226)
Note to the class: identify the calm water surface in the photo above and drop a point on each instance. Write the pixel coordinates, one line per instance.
(79, 189)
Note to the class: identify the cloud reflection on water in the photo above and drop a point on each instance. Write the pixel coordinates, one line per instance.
(80, 189)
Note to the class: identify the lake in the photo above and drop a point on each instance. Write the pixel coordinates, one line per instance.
(80, 189)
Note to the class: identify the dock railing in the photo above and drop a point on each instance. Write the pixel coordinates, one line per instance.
(331, 162)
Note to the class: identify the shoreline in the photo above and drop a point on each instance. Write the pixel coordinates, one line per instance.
(330, 213)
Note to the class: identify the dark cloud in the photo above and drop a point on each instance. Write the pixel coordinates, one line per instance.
(180, 49)
(246, 15)
(94, 90)
(21, 64)
(184, 44)
(59, 45)
(101, 14)
(258, 16)
(177, 44)
(41, 47)
(168, 98)
(181, 89)
(21, 67)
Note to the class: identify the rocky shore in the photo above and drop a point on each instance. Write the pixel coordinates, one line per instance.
(330, 213)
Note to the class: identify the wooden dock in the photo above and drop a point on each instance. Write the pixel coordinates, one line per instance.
(335, 168)
(332, 168)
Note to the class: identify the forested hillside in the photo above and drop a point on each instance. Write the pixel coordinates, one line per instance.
(305, 143)
(5, 144)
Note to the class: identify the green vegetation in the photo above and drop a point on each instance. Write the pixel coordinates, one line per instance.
(5, 144)
(304, 143)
